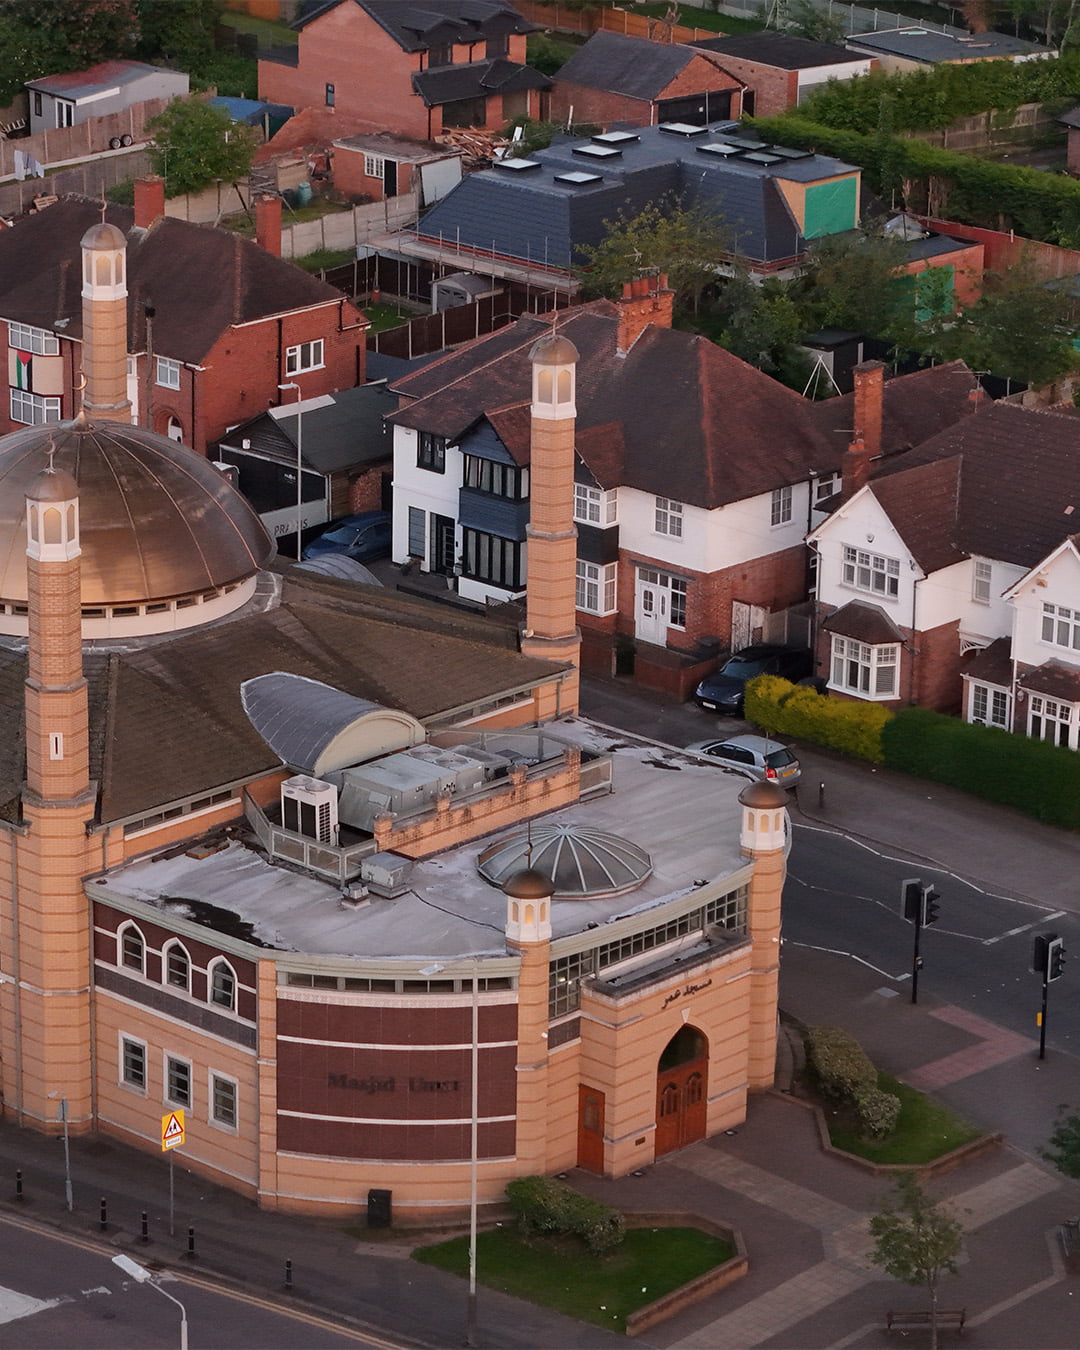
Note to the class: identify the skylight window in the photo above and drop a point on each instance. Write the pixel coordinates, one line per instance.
(577, 178)
(514, 165)
(597, 151)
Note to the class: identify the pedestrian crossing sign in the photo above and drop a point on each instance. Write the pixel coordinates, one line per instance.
(172, 1130)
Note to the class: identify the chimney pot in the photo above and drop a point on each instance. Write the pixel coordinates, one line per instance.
(869, 401)
(268, 223)
(149, 200)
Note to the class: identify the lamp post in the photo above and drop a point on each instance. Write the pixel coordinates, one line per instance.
(143, 1276)
(299, 470)
(62, 1116)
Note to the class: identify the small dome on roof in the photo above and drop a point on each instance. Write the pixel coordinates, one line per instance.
(53, 485)
(583, 863)
(763, 795)
(529, 884)
(553, 350)
(104, 237)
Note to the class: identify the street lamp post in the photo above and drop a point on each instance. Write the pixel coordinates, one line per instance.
(143, 1276)
(299, 470)
(62, 1116)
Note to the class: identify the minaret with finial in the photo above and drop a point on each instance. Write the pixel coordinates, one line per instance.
(551, 575)
(52, 930)
(104, 322)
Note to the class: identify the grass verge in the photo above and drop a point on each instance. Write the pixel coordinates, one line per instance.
(563, 1276)
(924, 1131)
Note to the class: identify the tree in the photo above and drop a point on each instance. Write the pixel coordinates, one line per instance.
(195, 144)
(177, 31)
(685, 244)
(807, 20)
(1063, 1149)
(916, 1241)
(762, 325)
(52, 37)
(853, 281)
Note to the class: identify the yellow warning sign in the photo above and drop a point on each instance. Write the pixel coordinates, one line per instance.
(172, 1130)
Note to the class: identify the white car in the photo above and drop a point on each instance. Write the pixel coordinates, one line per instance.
(756, 756)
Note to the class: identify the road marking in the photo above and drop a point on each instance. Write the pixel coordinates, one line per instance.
(837, 951)
(14, 1305)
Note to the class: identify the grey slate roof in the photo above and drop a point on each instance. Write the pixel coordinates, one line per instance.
(531, 215)
(449, 84)
(345, 431)
(634, 67)
(416, 24)
(781, 50)
(930, 47)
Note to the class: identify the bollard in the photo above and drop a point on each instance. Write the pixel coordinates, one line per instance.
(103, 1222)
(821, 796)
(191, 1243)
(145, 1234)
(288, 1277)
(18, 1185)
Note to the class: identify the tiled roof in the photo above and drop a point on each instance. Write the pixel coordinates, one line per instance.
(168, 266)
(864, 622)
(992, 664)
(1054, 679)
(923, 505)
(416, 24)
(345, 430)
(780, 50)
(449, 84)
(106, 75)
(634, 67)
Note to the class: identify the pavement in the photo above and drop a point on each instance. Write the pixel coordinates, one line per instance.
(803, 1214)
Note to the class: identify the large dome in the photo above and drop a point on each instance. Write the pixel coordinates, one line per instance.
(162, 531)
(583, 863)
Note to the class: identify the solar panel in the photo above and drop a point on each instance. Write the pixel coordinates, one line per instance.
(513, 165)
(597, 151)
(577, 178)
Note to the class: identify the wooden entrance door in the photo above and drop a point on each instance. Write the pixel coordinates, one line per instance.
(682, 1091)
(590, 1148)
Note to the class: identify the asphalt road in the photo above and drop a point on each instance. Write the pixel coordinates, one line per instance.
(56, 1292)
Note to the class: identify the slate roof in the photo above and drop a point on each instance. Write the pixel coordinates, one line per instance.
(780, 50)
(1070, 118)
(416, 24)
(1003, 483)
(864, 622)
(1055, 679)
(448, 84)
(993, 664)
(41, 278)
(531, 215)
(166, 718)
(930, 47)
(338, 431)
(631, 66)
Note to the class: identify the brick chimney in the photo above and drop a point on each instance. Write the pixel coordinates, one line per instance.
(869, 395)
(644, 301)
(268, 223)
(856, 468)
(149, 200)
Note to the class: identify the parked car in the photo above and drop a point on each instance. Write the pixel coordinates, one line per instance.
(756, 756)
(723, 690)
(361, 537)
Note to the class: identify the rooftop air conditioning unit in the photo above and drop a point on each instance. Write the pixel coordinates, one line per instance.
(309, 806)
(386, 874)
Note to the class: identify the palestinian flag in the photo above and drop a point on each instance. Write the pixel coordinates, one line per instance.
(19, 369)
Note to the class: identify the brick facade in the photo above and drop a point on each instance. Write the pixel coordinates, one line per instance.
(774, 90)
(929, 675)
(604, 106)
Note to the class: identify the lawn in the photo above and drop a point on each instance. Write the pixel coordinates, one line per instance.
(385, 316)
(692, 17)
(924, 1131)
(563, 1276)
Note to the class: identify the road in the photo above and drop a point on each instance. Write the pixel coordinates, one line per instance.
(57, 1292)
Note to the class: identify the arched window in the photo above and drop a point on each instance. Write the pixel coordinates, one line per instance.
(132, 949)
(564, 386)
(104, 270)
(178, 967)
(544, 385)
(223, 985)
(51, 529)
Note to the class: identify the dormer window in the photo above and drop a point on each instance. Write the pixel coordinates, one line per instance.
(442, 54)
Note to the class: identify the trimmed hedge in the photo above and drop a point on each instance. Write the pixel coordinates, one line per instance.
(786, 709)
(842, 1068)
(542, 1205)
(1035, 777)
(878, 1112)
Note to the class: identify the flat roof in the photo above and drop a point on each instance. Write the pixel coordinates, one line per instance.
(684, 811)
(929, 45)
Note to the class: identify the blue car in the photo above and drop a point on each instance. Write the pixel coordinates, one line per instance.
(362, 537)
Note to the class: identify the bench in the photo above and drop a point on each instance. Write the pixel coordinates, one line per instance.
(1069, 1233)
(946, 1317)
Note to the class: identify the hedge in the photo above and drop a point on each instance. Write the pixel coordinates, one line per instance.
(1036, 204)
(1035, 777)
(842, 1068)
(543, 1205)
(786, 709)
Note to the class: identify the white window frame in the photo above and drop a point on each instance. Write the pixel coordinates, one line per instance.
(304, 356)
(24, 338)
(982, 575)
(374, 166)
(989, 705)
(1052, 714)
(33, 410)
(175, 945)
(826, 485)
(1061, 627)
(668, 517)
(780, 507)
(597, 587)
(121, 934)
(870, 663)
(874, 573)
(221, 964)
(593, 506)
(213, 1077)
(168, 1060)
(123, 1041)
(167, 372)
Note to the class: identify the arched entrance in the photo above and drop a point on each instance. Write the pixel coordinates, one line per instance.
(682, 1083)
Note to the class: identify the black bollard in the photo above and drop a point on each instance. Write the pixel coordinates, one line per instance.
(288, 1277)
(103, 1222)
(145, 1235)
(191, 1243)
(18, 1186)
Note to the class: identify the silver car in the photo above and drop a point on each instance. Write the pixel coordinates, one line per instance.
(756, 756)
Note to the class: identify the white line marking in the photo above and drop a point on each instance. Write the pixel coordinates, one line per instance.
(14, 1305)
(836, 951)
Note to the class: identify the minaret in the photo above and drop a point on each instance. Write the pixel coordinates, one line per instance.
(104, 323)
(51, 937)
(764, 837)
(551, 611)
(528, 932)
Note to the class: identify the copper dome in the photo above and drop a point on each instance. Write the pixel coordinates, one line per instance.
(157, 521)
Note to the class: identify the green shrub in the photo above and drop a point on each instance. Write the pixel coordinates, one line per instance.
(1040, 779)
(544, 1206)
(842, 1068)
(878, 1113)
(785, 709)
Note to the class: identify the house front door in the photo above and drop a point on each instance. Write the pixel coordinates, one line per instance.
(651, 611)
(442, 545)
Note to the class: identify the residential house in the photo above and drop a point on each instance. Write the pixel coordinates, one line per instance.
(779, 70)
(636, 82)
(539, 212)
(378, 166)
(68, 100)
(411, 70)
(951, 580)
(914, 47)
(697, 478)
(215, 323)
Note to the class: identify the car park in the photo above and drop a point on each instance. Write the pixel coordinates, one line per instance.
(756, 756)
(723, 691)
(361, 537)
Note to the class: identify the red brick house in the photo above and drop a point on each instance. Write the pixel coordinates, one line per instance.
(215, 322)
(410, 70)
(642, 83)
(778, 70)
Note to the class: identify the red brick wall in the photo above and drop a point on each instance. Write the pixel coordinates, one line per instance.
(602, 107)
(365, 492)
(774, 90)
(349, 176)
(937, 669)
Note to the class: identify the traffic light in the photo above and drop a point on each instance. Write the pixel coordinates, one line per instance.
(930, 900)
(1040, 957)
(911, 899)
(1055, 958)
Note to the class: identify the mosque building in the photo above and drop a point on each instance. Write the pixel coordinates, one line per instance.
(342, 875)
